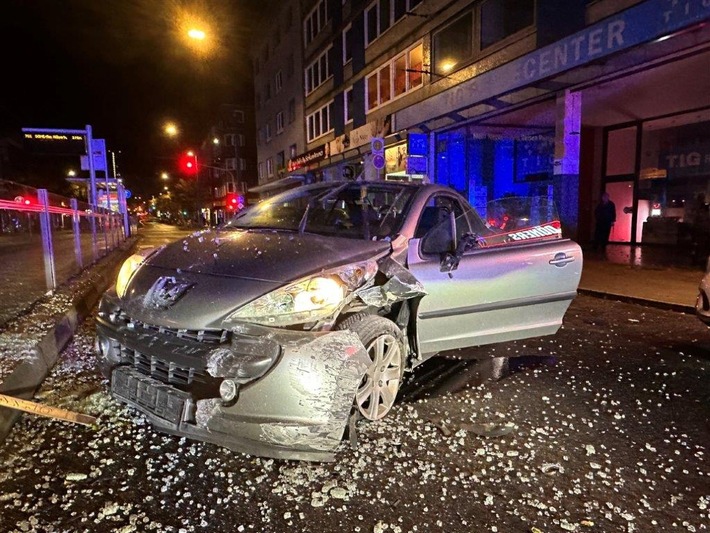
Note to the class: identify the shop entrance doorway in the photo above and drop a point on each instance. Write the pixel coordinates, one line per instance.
(622, 194)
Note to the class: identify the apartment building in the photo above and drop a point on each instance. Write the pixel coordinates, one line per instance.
(559, 98)
(227, 161)
(277, 61)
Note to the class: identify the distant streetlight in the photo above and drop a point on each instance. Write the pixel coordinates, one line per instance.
(215, 141)
(71, 173)
(165, 176)
(171, 129)
(197, 34)
(196, 31)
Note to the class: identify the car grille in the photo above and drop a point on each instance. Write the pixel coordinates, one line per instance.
(208, 336)
(162, 370)
(190, 375)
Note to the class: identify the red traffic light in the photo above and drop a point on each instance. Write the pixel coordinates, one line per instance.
(234, 201)
(188, 163)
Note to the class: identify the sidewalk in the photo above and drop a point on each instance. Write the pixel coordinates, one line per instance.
(657, 277)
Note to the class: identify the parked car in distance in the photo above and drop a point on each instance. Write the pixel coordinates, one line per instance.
(269, 333)
(702, 305)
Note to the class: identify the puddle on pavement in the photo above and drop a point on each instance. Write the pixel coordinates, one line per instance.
(440, 376)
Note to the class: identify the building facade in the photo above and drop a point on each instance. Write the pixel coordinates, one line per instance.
(278, 95)
(227, 162)
(557, 98)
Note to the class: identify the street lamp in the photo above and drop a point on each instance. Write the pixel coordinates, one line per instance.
(164, 176)
(171, 129)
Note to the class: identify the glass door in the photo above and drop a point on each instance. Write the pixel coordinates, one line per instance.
(619, 177)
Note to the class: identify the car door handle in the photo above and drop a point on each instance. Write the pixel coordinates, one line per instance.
(561, 259)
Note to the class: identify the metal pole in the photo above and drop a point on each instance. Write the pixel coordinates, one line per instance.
(45, 225)
(76, 218)
(92, 191)
(124, 210)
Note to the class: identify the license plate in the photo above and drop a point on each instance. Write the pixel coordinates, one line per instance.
(149, 395)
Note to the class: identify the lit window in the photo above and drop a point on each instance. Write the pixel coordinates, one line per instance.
(395, 78)
(453, 46)
(383, 14)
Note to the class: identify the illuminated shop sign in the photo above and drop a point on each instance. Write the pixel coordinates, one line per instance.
(312, 156)
(55, 143)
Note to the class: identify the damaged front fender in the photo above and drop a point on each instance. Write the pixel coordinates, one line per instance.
(299, 409)
(400, 285)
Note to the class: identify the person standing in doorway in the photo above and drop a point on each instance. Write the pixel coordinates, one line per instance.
(605, 216)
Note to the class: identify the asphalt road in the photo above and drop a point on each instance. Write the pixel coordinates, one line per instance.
(606, 421)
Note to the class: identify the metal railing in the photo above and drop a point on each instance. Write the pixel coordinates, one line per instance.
(46, 239)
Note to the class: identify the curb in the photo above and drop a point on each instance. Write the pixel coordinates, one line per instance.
(666, 306)
(26, 378)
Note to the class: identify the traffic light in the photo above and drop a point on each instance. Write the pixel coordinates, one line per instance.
(234, 201)
(188, 163)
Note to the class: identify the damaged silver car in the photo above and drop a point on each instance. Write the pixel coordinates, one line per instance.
(271, 333)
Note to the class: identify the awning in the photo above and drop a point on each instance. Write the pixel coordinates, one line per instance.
(278, 184)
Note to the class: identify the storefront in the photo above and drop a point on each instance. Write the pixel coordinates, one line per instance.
(563, 123)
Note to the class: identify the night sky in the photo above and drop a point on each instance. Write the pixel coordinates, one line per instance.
(123, 67)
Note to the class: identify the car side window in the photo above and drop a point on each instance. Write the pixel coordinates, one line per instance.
(434, 227)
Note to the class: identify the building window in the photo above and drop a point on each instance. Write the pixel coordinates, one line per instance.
(270, 167)
(503, 18)
(230, 163)
(348, 104)
(278, 81)
(239, 116)
(395, 78)
(315, 21)
(382, 14)
(240, 139)
(318, 72)
(267, 91)
(453, 46)
(318, 123)
(292, 151)
(280, 161)
(291, 110)
(242, 164)
(267, 131)
(289, 67)
(347, 43)
(229, 139)
(261, 170)
(259, 137)
(279, 122)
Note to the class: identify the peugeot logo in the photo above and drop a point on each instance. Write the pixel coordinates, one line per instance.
(166, 291)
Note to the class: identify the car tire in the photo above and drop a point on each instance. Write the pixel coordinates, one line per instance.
(384, 343)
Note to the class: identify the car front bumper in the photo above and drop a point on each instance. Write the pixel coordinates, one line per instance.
(297, 410)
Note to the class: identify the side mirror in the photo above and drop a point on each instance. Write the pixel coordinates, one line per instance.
(450, 260)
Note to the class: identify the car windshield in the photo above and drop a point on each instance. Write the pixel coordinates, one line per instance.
(355, 210)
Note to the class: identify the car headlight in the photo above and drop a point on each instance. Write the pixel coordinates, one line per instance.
(307, 300)
(128, 268)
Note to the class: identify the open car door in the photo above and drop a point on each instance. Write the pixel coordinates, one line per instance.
(494, 282)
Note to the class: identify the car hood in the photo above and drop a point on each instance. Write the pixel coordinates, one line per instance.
(216, 272)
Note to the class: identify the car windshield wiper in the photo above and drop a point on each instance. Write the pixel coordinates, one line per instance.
(304, 220)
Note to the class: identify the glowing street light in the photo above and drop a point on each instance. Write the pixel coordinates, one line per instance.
(164, 176)
(197, 34)
(171, 129)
